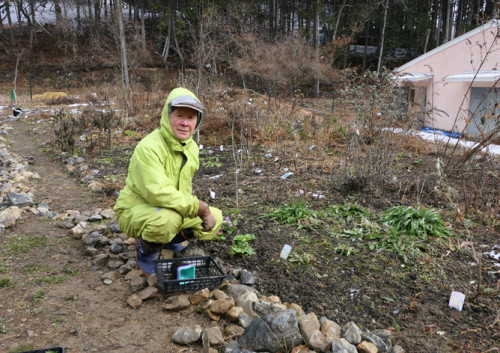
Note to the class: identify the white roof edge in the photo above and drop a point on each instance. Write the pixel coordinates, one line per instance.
(476, 76)
(409, 77)
(487, 25)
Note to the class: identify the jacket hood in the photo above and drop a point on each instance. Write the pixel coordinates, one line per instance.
(180, 97)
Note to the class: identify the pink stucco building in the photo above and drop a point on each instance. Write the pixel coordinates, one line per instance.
(458, 83)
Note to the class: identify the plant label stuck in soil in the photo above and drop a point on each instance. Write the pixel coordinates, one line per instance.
(457, 300)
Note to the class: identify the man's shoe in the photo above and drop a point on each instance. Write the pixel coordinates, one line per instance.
(145, 256)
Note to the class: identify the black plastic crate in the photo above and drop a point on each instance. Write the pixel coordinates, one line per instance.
(208, 274)
(45, 350)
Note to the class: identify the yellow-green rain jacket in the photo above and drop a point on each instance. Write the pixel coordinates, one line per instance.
(161, 169)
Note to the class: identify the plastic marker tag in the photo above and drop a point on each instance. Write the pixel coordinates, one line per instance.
(285, 251)
(457, 300)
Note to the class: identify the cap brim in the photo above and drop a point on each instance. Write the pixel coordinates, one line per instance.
(187, 102)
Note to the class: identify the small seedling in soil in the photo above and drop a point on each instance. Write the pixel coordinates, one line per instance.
(241, 246)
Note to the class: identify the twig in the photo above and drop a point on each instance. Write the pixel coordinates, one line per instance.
(8, 337)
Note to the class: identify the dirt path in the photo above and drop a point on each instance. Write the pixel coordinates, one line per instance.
(55, 298)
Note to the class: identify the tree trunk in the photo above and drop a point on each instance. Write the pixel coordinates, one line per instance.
(123, 46)
(166, 47)
(316, 45)
(78, 18)
(427, 40)
(439, 19)
(447, 34)
(365, 51)
(90, 18)
(143, 25)
(380, 54)
(58, 10)
(33, 36)
(338, 19)
(97, 9)
(9, 21)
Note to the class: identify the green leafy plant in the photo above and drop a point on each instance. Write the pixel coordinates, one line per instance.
(240, 245)
(417, 222)
(294, 213)
(302, 258)
(344, 249)
(211, 162)
(349, 211)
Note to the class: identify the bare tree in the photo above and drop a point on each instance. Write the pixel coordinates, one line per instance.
(382, 36)
(123, 45)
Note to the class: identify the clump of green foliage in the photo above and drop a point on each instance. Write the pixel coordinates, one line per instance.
(240, 245)
(401, 230)
(295, 213)
(416, 222)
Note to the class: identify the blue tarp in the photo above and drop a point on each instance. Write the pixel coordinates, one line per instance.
(455, 135)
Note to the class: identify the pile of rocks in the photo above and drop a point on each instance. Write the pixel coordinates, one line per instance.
(15, 181)
(263, 324)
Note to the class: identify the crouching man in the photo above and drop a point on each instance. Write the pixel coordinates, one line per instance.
(157, 205)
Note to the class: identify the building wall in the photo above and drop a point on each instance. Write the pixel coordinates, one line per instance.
(448, 102)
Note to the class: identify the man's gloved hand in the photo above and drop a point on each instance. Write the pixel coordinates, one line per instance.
(208, 220)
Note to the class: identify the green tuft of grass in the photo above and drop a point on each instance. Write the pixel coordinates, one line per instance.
(5, 282)
(4, 267)
(38, 295)
(28, 269)
(15, 245)
(52, 279)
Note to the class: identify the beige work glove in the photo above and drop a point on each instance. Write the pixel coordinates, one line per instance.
(208, 219)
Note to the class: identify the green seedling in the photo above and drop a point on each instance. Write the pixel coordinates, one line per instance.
(240, 245)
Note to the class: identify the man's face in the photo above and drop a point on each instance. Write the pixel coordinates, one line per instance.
(183, 122)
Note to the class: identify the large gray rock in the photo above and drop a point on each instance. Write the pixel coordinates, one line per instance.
(263, 308)
(187, 335)
(246, 277)
(342, 346)
(351, 333)
(383, 345)
(19, 200)
(272, 333)
(236, 290)
(247, 301)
